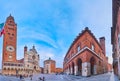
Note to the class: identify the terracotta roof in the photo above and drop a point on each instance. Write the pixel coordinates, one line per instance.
(49, 60)
(21, 60)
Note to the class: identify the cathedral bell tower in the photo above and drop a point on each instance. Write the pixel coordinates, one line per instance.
(9, 40)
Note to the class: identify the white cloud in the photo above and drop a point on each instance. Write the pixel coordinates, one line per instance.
(36, 36)
(57, 23)
(46, 55)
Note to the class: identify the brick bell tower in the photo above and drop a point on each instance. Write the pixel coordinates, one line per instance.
(9, 40)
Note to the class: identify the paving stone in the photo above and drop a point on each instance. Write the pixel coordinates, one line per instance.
(53, 77)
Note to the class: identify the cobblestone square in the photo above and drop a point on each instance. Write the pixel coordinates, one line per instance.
(53, 77)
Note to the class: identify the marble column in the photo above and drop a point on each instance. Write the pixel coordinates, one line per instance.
(86, 69)
(95, 69)
(76, 70)
(71, 70)
(68, 71)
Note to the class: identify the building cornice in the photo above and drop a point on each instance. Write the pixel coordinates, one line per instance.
(85, 48)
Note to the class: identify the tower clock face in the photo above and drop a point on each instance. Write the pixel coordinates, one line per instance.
(10, 48)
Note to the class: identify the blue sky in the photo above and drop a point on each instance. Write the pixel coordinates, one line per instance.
(52, 25)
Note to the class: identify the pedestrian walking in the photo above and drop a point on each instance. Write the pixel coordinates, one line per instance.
(43, 78)
(20, 76)
(30, 77)
(40, 78)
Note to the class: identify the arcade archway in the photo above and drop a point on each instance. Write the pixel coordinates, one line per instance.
(92, 64)
(79, 64)
(73, 70)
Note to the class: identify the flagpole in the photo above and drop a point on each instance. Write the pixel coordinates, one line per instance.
(1, 29)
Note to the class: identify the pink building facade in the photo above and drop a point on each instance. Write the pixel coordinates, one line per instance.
(115, 36)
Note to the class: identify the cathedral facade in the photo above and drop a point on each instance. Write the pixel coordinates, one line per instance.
(28, 65)
(31, 61)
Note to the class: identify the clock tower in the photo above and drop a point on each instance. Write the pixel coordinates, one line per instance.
(9, 40)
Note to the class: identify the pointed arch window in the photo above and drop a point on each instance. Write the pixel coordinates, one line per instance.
(99, 53)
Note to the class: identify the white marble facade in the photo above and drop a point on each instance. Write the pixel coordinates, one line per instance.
(85, 69)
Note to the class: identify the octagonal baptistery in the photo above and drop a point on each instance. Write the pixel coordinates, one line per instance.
(86, 56)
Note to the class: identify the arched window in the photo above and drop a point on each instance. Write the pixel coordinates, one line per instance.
(99, 63)
(4, 68)
(8, 68)
(11, 68)
(10, 56)
(78, 48)
(99, 53)
(92, 47)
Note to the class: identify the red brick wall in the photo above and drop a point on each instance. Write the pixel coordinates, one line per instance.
(86, 39)
(59, 70)
(9, 39)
